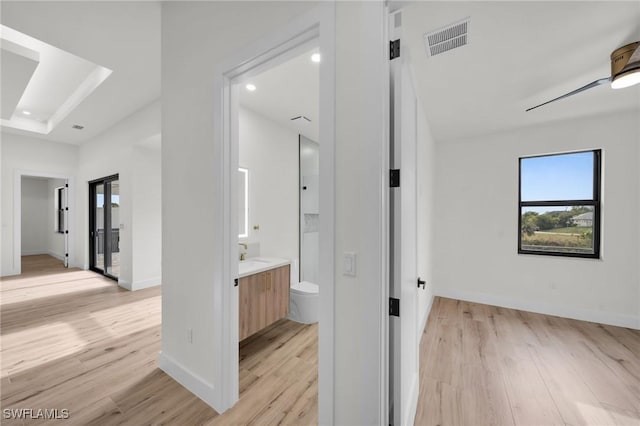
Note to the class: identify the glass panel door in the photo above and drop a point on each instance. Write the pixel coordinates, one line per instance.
(104, 232)
(113, 267)
(98, 227)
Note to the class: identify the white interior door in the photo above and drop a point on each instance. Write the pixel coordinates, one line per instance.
(403, 343)
(65, 215)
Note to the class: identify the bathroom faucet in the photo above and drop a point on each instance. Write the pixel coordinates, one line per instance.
(243, 255)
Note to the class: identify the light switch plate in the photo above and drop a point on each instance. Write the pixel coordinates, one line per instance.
(349, 264)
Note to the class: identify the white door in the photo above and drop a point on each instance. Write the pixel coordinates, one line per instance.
(403, 342)
(65, 214)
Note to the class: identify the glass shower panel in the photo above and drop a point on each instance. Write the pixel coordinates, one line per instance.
(309, 209)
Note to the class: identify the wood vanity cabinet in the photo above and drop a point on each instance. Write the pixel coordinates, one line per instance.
(264, 299)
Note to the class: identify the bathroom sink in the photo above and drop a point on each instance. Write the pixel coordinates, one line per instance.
(257, 264)
(251, 263)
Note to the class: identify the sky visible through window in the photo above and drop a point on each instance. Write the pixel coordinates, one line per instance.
(556, 177)
(100, 199)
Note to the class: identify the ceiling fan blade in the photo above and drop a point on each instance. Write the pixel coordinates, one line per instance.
(582, 89)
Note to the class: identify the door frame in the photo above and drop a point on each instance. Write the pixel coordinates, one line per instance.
(92, 219)
(17, 215)
(405, 412)
(317, 25)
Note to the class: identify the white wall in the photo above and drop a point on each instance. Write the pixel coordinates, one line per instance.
(55, 240)
(270, 152)
(477, 224)
(34, 155)
(34, 216)
(146, 225)
(121, 149)
(111, 153)
(426, 205)
(192, 49)
(196, 38)
(361, 140)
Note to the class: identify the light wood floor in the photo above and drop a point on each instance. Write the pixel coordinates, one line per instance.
(483, 365)
(74, 340)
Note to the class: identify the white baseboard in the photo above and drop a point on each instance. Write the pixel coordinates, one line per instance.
(413, 400)
(33, 252)
(601, 317)
(10, 273)
(425, 316)
(76, 265)
(139, 285)
(196, 385)
(56, 255)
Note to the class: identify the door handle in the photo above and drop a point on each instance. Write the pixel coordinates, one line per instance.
(421, 283)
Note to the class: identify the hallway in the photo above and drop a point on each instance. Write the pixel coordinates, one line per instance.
(74, 340)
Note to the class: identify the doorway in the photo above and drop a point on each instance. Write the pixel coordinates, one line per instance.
(313, 29)
(68, 216)
(104, 228)
(44, 225)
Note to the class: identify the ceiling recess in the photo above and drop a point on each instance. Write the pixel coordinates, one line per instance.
(448, 38)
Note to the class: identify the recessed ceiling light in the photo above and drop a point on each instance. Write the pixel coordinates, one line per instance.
(250, 87)
(315, 57)
(26, 112)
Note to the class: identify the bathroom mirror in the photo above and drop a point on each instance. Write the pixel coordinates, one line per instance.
(243, 202)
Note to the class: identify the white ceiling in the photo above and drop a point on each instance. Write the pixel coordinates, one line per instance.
(121, 36)
(57, 85)
(520, 54)
(288, 90)
(16, 73)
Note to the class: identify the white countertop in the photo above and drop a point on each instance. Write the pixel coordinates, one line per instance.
(255, 265)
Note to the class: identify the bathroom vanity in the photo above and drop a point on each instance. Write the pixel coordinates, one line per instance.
(264, 293)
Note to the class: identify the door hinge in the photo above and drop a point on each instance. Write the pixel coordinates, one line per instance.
(394, 51)
(394, 178)
(421, 283)
(394, 307)
(235, 282)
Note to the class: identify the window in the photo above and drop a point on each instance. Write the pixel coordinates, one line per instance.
(60, 210)
(559, 212)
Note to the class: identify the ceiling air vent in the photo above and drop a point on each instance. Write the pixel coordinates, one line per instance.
(447, 38)
(77, 127)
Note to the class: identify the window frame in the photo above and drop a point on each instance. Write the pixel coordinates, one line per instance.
(60, 225)
(595, 203)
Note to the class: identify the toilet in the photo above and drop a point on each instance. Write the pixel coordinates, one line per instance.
(303, 302)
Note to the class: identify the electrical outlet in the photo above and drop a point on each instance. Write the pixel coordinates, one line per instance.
(189, 335)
